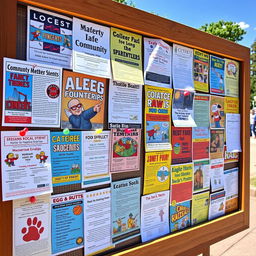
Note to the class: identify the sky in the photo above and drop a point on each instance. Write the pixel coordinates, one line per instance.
(198, 12)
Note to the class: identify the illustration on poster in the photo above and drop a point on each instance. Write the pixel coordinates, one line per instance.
(216, 115)
(10, 158)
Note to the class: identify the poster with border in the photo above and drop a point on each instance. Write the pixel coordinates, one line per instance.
(217, 72)
(231, 78)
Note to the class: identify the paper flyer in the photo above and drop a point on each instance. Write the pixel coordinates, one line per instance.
(233, 139)
(95, 158)
(83, 100)
(97, 221)
(32, 226)
(182, 109)
(125, 208)
(200, 208)
(157, 63)
(49, 37)
(217, 174)
(231, 105)
(217, 205)
(157, 172)
(154, 215)
(182, 67)
(126, 56)
(181, 182)
(201, 181)
(26, 164)
(67, 222)
(231, 78)
(202, 110)
(31, 94)
(125, 150)
(231, 181)
(230, 157)
(182, 145)
(91, 48)
(216, 143)
(217, 82)
(200, 142)
(201, 71)
(217, 113)
(66, 158)
(124, 105)
(180, 215)
(157, 118)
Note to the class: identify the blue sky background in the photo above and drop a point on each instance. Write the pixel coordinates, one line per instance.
(197, 13)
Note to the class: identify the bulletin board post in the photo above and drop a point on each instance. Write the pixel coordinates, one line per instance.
(191, 241)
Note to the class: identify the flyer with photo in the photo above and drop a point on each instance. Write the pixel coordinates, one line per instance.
(157, 118)
(200, 142)
(49, 37)
(217, 113)
(83, 101)
(217, 205)
(231, 105)
(202, 110)
(124, 105)
(217, 174)
(31, 94)
(125, 208)
(216, 143)
(233, 139)
(157, 63)
(217, 81)
(202, 176)
(231, 78)
(157, 172)
(26, 164)
(91, 48)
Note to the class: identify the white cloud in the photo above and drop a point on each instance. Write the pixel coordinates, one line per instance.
(243, 25)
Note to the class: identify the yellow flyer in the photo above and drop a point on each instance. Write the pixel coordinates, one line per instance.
(231, 105)
(126, 56)
(157, 172)
(231, 78)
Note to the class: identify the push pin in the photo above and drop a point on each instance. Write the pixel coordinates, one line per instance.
(23, 132)
(32, 199)
(127, 130)
(66, 131)
(98, 131)
(186, 93)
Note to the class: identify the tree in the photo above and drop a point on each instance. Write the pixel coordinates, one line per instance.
(225, 29)
(125, 2)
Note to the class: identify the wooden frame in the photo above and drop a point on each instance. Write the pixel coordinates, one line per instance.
(193, 240)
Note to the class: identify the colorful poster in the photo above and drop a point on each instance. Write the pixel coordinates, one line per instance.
(217, 174)
(32, 226)
(154, 215)
(66, 158)
(157, 118)
(230, 157)
(67, 222)
(95, 158)
(217, 82)
(125, 209)
(182, 145)
(231, 180)
(200, 208)
(83, 100)
(157, 171)
(97, 221)
(182, 109)
(124, 105)
(216, 143)
(126, 56)
(217, 205)
(125, 150)
(182, 67)
(157, 63)
(231, 78)
(201, 142)
(26, 164)
(202, 110)
(201, 71)
(231, 105)
(217, 114)
(49, 37)
(181, 182)
(202, 176)
(91, 43)
(233, 140)
(31, 94)
(180, 215)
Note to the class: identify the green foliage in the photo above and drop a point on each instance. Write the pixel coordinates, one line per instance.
(225, 29)
(125, 2)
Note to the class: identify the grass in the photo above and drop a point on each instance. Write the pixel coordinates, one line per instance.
(253, 181)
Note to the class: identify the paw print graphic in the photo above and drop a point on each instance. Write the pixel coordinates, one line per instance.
(33, 231)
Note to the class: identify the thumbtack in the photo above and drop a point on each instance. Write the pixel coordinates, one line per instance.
(32, 199)
(98, 131)
(66, 131)
(186, 93)
(127, 130)
(23, 132)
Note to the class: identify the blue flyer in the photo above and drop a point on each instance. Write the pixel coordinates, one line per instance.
(217, 82)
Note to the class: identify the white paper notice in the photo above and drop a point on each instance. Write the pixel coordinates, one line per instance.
(91, 44)
(26, 164)
(154, 215)
(97, 221)
(231, 183)
(233, 132)
(217, 174)
(217, 205)
(157, 63)
(32, 227)
(182, 67)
